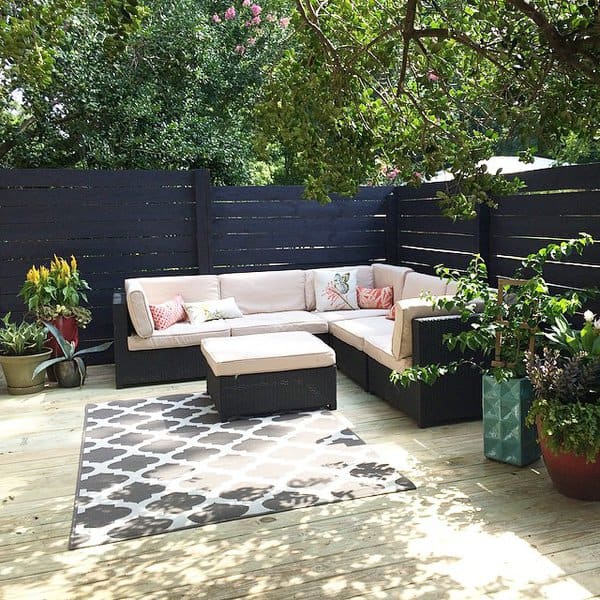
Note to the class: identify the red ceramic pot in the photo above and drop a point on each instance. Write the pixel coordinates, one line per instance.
(70, 331)
(571, 475)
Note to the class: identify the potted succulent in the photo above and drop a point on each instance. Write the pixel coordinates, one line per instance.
(566, 406)
(22, 349)
(55, 294)
(69, 368)
(504, 326)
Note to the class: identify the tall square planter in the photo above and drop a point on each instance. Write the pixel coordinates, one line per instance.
(506, 438)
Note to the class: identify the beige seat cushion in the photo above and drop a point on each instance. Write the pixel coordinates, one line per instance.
(266, 353)
(331, 316)
(379, 348)
(364, 278)
(291, 320)
(390, 275)
(180, 334)
(354, 331)
(266, 291)
(406, 311)
(142, 291)
(416, 284)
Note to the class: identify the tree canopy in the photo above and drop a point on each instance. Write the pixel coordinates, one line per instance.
(178, 92)
(396, 90)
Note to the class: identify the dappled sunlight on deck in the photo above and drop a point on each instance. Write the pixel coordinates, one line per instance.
(472, 529)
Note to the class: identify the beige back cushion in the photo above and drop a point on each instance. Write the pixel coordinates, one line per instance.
(407, 310)
(364, 278)
(390, 275)
(143, 291)
(417, 283)
(266, 291)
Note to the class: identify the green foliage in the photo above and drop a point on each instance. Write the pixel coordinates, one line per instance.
(68, 350)
(527, 308)
(571, 342)
(567, 401)
(395, 91)
(176, 95)
(56, 291)
(22, 339)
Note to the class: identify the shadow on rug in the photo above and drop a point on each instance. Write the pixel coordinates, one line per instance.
(153, 465)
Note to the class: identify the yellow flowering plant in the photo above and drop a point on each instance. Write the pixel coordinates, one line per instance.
(56, 291)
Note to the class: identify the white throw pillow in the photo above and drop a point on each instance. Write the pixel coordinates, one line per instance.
(336, 290)
(210, 310)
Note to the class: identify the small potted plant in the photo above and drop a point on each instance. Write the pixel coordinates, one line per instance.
(69, 368)
(566, 406)
(22, 349)
(55, 294)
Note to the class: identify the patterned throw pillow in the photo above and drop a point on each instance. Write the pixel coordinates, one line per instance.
(168, 313)
(375, 297)
(210, 310)
(392, 314)
(336, 290)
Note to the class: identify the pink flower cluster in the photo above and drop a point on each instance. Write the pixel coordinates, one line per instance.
(256, 10)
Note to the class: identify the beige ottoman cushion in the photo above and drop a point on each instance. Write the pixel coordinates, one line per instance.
(266, 353)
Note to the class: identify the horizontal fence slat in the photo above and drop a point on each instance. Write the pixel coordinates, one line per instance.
(440, 241)
(291, 208)
(522, 247)
(554, 204)
(425, 257)
(435, 224)
(544, 226)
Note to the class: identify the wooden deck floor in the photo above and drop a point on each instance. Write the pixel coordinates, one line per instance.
(472, 529)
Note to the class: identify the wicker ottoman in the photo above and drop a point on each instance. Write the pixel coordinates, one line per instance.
(268, 373)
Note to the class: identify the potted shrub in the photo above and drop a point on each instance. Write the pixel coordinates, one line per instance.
(69, 368)
(55, 294)
(21, 351)
(566, 407)
(504, 325)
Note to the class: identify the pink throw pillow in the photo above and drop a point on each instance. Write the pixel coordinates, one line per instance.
(392, 314)
(168, 313)
(375, 297)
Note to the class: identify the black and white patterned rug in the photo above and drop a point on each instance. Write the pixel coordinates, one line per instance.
(153, 465)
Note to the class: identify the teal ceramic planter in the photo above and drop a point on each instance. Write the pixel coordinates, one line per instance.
(506, 438)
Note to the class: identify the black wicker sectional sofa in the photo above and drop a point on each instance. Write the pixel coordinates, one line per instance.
(368, 345)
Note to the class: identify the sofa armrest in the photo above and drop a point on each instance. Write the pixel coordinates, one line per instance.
(428, 339)
(407, 310)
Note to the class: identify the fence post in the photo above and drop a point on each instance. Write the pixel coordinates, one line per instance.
(484, 240)
(203, 198)
(391, 228)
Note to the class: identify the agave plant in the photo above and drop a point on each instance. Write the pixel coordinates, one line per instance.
(69, 352)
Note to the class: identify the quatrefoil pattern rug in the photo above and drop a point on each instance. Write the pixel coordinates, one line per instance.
(154, 465)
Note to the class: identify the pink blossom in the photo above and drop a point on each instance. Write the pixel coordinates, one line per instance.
(248, 24)
(246, 2)
(284, 22)
(271, 18)
(216, 18)
(230, 13)
(239, 49)
(251, 41)
(418, 175)
(432, 75)
(256, 10)
(256, 20)
(392, 174)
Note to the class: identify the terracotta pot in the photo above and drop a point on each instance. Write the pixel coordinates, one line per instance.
(571, 475)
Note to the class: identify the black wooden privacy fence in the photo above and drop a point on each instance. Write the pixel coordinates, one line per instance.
(132, 223)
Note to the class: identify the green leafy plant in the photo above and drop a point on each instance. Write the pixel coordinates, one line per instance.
(68, 350)
(586, 340)
(56, 291)
(22, 339)
(527, 308)
(566, 401)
